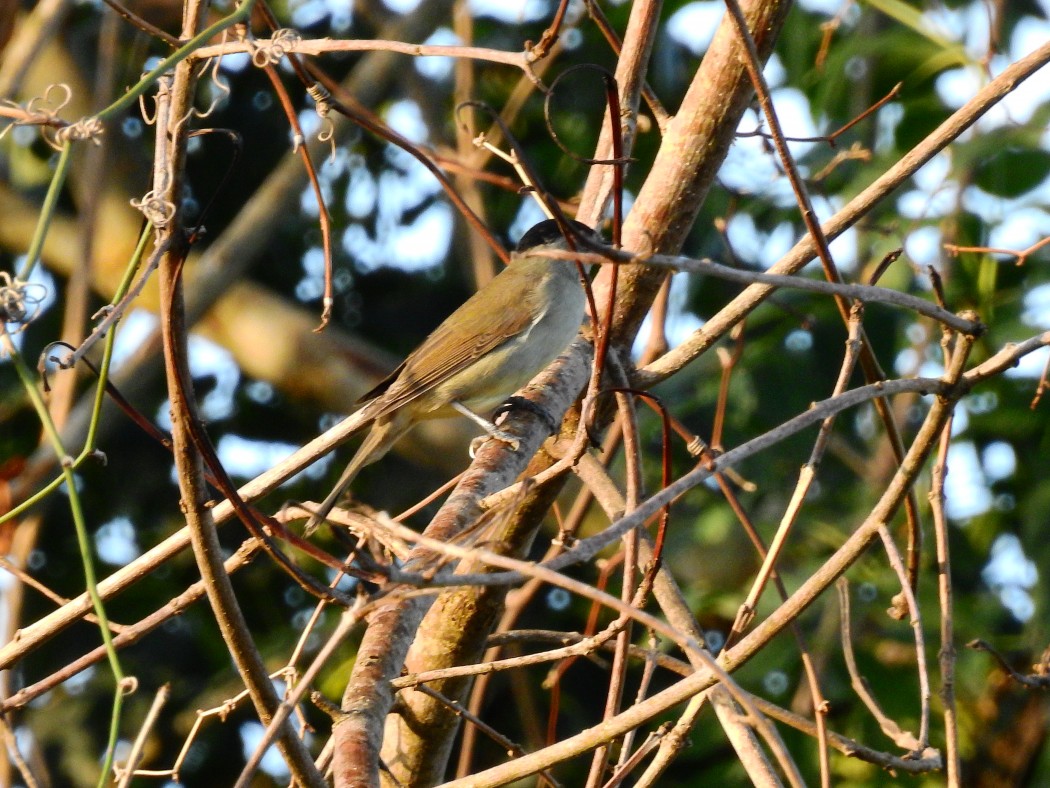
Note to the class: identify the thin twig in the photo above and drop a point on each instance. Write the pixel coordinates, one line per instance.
(127, 771)
(893, 731)
(946, 654)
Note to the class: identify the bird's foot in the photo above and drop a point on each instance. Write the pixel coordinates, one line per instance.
(522, 403)
(500, 435)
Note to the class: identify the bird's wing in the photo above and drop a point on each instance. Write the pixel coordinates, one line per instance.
(381, 387)
(451, 348)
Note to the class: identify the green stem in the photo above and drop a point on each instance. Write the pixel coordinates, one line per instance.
(47, 211)
(83, 541)
(114, 730)
(89, 443)
(107, 350)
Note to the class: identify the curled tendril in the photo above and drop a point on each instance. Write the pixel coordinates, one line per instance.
(89, 128)
(49, 359)
(322, 106)
(148, 119)
(44, 105)
(269, 53)
(20, 302)
(156, 209)
(43, 111)
(221, 85)
(319, 93)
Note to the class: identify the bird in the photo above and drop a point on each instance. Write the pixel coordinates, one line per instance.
(493, 344)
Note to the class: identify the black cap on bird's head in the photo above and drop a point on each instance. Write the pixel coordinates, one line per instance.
(548, 232)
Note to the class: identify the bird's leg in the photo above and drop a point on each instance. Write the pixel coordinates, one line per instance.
(491, 429)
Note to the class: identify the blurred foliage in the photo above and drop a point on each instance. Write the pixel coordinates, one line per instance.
(791, 352)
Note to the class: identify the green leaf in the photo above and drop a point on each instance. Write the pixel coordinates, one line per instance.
(912, 18)
(1013, 171)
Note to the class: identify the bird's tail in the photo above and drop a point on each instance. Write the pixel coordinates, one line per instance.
(377, 442)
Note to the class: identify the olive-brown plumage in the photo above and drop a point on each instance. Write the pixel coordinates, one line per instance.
(492, 345)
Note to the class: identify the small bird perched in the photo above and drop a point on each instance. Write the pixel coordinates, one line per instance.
(495, 343)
